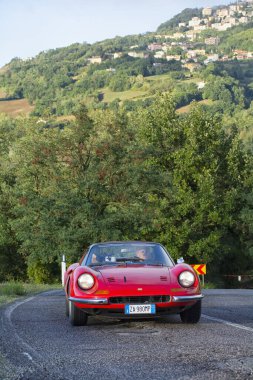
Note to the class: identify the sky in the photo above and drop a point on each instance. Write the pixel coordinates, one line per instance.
(28, 27)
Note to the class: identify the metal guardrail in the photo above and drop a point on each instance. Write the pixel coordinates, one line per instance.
(239, 276)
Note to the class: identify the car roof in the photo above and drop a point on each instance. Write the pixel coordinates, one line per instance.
(124, 242)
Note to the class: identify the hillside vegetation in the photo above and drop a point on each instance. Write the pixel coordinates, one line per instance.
(138, 137)
(120, 71)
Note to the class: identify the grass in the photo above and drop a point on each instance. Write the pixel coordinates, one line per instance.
(109, 95)
(12, 290)
(208, 285)
(15, 107)
(187, 108)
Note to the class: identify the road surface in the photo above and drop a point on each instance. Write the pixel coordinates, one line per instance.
(37, 342)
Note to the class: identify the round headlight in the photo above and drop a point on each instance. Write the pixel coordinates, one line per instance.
(186, 279)
(86, 281)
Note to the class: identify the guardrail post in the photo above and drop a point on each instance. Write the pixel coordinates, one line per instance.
(63, 269)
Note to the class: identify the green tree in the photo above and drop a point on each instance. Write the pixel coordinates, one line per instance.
(201, 171)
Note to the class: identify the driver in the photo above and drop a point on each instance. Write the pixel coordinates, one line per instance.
(143, 255)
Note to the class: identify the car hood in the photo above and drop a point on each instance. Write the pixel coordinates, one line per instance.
(135, 275)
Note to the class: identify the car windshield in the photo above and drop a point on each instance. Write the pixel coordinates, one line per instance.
(128, 253)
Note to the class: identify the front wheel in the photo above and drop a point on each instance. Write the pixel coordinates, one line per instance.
(77, 317)
(193, 314)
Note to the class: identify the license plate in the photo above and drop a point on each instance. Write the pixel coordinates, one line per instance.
(140, 309)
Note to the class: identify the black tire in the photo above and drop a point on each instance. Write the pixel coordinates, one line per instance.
(193, 314)
(76, 316)
(67, 307)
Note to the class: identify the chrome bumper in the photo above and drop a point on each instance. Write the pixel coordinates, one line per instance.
(187, 298)
(104, 301)
(92, 301)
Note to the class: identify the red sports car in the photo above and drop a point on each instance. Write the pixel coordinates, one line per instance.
(131, 280)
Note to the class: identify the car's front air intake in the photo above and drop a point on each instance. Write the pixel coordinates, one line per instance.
(139, 299)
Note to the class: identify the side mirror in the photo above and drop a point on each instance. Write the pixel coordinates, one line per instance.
(180, 260)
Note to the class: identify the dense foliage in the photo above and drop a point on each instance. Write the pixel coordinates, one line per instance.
(153, 175)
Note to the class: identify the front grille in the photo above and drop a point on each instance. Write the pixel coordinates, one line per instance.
(139, 299)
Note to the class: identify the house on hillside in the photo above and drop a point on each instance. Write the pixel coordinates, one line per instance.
(211, 58)
(117, 55)
(212, 41)
(138, 54)
(223, 12)
(159, 54)
(192, 66)
(221, 27)
(154, 47)
(177, 36)
(192, 34)
(207, 11)
(174, 57)
(95, 59)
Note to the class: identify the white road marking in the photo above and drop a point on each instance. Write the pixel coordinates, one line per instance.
(26, 346)
(227, 323)
(28, 355)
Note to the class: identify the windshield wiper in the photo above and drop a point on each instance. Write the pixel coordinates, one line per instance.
(154, 264)
(134, 259)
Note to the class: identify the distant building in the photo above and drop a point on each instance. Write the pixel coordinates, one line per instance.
(242, 54)
(207, 11)
(192, 34)
(194, 53)
(201, 85)
(231, 20)
(154, 47)
(222, 27)
(192, 66)
(212, 41)
(224, 12)
(200, 27)
(117, 55)
(167, 46)
(159, 54)
(211, 58)
(243, 20)
(173, 57)
(194, 21)
(234, 8)
(224, 58)
(177, 36)
(137, 54)
(95, 60)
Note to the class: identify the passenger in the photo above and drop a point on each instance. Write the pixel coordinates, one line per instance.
(97, 258)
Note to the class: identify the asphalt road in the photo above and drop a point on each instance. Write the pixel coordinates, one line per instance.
(37, 342)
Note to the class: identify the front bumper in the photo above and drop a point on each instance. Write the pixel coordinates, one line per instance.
(104, 301)
(89, 301)
(187, 298)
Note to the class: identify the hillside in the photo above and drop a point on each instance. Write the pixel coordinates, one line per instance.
(128, 71)
(110, 146)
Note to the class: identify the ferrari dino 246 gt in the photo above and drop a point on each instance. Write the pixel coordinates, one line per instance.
(131, 280)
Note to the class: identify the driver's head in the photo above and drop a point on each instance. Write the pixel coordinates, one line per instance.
(141, 253)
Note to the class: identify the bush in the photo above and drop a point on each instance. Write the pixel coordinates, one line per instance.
(12, 288)
(43, 273)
